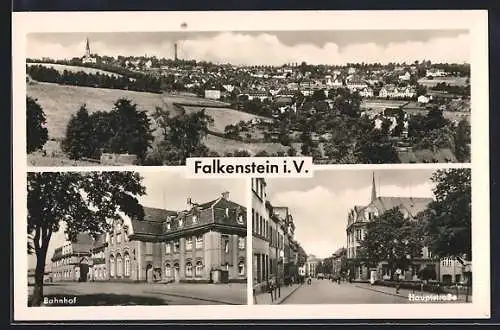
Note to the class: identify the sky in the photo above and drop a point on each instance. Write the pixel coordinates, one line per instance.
(169, 190)
(266, 47)
(320, 205)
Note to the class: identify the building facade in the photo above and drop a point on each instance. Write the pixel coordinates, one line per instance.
(205, 243)
(311, 264)
(357, 220)
(275, 252)
(71, 262)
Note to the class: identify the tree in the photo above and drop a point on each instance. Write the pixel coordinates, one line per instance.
(83, 202)
(449, 216)
(183, 135)
(393, 238)
(131, 128)
(462, 141)
(79, 135)
(292, 152)
(36, 132)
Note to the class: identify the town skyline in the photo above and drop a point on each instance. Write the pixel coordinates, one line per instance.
(331, 195)
(265, 47)
(158, 195)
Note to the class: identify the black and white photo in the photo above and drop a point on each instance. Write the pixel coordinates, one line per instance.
(363, 237)
(127, 238)
(157, 98)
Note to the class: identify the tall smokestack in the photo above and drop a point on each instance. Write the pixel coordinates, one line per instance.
(175, 52)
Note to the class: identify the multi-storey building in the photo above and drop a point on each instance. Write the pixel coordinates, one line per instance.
(358, 218)
(274, 249)
(71, 261)
(311, 264)
(261, 229)
(204, 243)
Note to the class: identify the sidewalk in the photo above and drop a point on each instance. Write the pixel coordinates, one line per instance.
(405, 293)
(265, 298)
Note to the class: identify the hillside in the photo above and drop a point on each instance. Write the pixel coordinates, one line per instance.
(60, 102)
(224, 116)
(72, 68)
(222, 146)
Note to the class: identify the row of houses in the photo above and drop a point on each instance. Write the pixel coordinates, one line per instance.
(206, 242)
(275, 251)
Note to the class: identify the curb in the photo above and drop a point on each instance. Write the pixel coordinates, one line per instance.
(288, 295)
(380, 291)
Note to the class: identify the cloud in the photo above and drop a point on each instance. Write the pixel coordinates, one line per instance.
(268, 49)
(320, 213)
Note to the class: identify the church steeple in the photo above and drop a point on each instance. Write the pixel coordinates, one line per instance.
(87, 48)
(374, 189)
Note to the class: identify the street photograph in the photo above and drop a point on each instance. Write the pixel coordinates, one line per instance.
(338, 96)
(128, 238)
(363, 237)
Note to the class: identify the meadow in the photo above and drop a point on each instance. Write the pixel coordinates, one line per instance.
(59, 102)
(457, 81)
(224, 116)
(72, 68)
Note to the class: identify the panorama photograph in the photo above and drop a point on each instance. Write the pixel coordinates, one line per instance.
(158, 98)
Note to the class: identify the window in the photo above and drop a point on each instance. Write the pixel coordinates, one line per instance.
(176, 246)
(181, 222)
(198, 271)
(195, 218)
(240, 219)
(168, 270)
(189, 243)
(226, 246)
(111, 266)
(125, 236)
(118, 238)
(241, 243)
(127, 265)
(226, 266)
(168, 248)
(227, 212)
(241, 267)
(149, 248)
(119, 265)
(168, 224)
(112, 238)
(189, 269)
(199, 242)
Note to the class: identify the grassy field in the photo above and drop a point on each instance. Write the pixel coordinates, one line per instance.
(184, 99)
(72, 68)
(224, 116)
(60, 102)
(458, 81)
(381, 104)
(221, 146)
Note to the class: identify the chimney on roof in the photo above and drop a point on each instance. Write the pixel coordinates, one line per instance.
(225, 195)
(189, 202)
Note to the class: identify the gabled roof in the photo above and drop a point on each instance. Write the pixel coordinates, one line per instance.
(413, 205)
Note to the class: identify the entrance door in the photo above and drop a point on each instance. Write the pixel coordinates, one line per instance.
(149, 273)
(176, 273)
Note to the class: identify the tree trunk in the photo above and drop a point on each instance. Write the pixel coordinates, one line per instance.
(37, 297)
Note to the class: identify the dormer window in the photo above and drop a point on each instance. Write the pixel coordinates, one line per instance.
(227, 212)
(195, 218)
(181, 222)
(240, 219)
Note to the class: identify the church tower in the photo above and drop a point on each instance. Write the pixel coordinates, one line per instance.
(87, 48)
(374, 189)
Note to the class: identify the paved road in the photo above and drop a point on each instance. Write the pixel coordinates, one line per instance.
(115, 293)
(327, 292)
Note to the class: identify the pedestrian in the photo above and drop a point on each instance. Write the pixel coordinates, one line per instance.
(255, 290)
(397, 275)
(271, 288)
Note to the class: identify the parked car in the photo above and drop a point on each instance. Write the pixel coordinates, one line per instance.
(320, 276)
